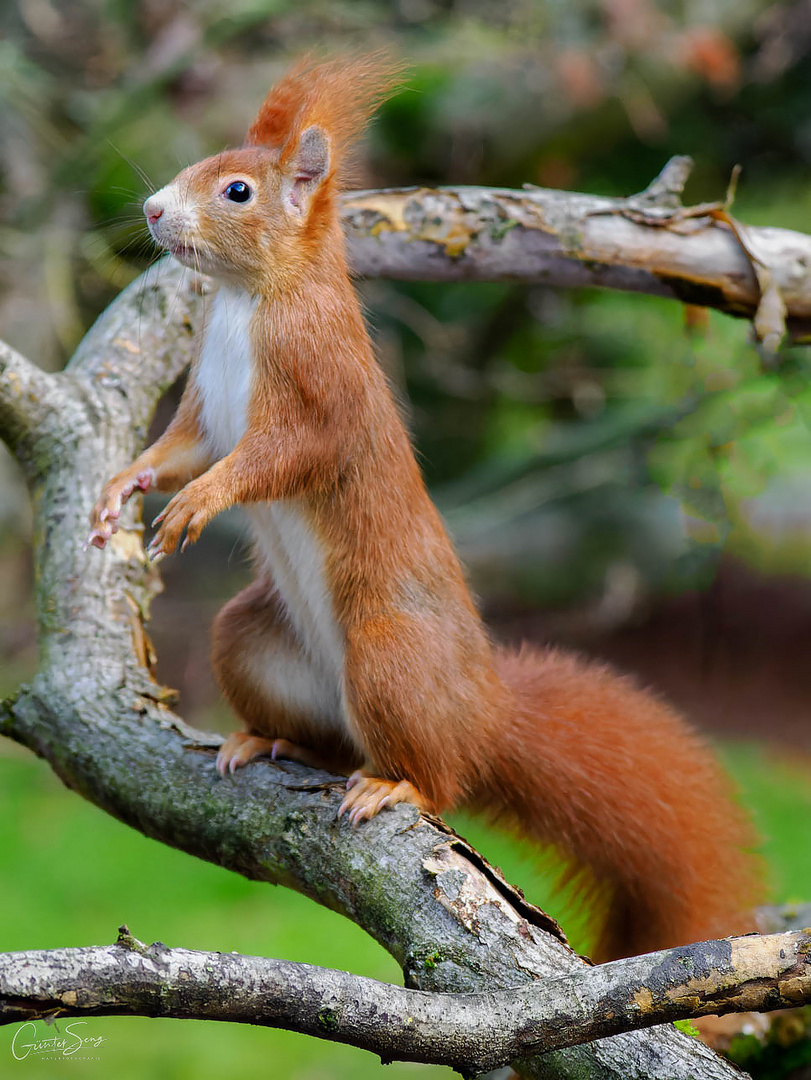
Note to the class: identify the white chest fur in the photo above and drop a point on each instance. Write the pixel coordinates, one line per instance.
(225, 369)
(286, 541)
(294, 556)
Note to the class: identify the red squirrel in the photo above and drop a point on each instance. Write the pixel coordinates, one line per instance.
(358, 647)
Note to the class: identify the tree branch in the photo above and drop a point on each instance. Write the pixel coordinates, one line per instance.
(471, 1032)
(144, 341)
(644, 243)
(28, 397)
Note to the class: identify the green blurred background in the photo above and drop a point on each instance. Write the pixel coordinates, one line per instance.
(621, 475)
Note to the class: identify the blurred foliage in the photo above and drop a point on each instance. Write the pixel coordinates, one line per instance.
(784, 1055)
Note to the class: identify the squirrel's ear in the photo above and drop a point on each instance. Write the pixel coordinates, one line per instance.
(305, 169)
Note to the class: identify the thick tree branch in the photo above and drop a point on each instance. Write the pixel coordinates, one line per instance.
(471, 1032)
(29, 398)
(644, 243)
(142, 342)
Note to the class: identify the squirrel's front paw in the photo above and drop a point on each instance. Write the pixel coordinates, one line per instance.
(189, 510)
(105, 514)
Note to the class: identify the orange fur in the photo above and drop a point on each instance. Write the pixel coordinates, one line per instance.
(338, 96)
(358, 643)
(620, 782)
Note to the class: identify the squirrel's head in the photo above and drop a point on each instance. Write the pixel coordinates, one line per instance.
(242, 215)
(258, 215)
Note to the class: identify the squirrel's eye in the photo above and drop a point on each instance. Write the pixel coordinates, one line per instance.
(238, 191)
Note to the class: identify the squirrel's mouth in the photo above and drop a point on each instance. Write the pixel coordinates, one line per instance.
(182, 251)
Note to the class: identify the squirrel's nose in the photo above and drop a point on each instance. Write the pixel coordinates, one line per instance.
(153, 211)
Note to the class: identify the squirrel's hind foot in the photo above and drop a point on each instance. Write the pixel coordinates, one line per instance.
(240, 748)
(367, 795)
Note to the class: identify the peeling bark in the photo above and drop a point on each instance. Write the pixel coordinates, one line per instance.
(646, 243)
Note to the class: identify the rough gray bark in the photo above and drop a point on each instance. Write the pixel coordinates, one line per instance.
(470, 1032)
(646, 243)
(97, 716)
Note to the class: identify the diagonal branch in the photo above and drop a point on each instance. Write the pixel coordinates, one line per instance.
(471, 1032)
(646, 243)
(144, 341)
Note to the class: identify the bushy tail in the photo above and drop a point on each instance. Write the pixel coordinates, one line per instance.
(591, 763)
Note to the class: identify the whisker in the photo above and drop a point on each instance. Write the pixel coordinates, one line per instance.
(135, 168)
(132, 192)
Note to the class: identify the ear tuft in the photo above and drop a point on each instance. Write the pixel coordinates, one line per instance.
(337, 96)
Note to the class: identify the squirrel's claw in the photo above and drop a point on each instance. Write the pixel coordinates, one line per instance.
(240, 748)
(368, 795)
(97, 538)
(187, 512)
(106, 512)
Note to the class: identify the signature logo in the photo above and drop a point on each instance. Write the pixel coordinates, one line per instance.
(70, 1044)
